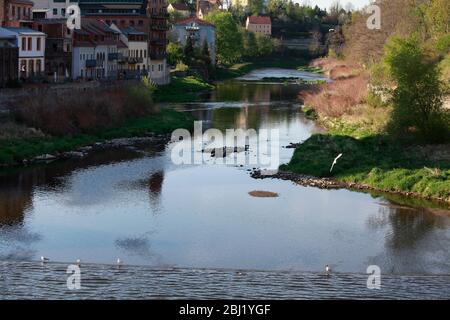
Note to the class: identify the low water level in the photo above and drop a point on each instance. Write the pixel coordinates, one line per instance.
(139, 206)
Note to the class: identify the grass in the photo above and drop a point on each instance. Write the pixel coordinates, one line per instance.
(376, 161)
(14, 150)
(355, 122)
(239, 69)
(181, 89)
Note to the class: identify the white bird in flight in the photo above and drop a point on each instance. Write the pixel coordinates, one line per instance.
(334, 161)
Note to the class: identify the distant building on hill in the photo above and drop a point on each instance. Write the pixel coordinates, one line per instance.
(259, 24)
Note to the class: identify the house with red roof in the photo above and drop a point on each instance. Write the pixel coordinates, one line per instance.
(259, 24)
(181, 8)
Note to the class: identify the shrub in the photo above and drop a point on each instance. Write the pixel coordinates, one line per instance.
(418, 98)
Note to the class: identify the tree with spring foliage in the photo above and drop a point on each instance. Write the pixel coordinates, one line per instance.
(418, 97)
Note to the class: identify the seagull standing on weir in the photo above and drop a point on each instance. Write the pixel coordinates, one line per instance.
(78, 262)
(327, 270)
(334, 161)
(44, 259)
(119, 262)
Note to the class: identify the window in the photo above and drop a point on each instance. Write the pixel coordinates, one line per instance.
(30, 44)
(55, 11)
(13, 11)
(38, 44)
(63, 12)
(24, 44)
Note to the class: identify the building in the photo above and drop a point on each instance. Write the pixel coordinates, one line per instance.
(158, 70)
(242, 3)
(51, 9)
(2, 12)
(16, 13)
(31, 45)
(259, 24)
(149, 16)
(204, 7)
(198, 30)
(9, 58)
(95, 51)
(181, 8)
(58, 48)
(135, 59)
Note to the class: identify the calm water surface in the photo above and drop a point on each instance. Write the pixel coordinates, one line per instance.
(139, 206)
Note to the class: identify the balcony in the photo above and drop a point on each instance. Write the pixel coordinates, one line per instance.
(158, 42)
(134, 60)
(159, 27)
(114, 56)
(91, 63)
(159, 15)
(157, 56)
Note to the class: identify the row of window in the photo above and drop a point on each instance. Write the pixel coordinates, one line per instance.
(27, 43)
(30, 67)
(20, 12)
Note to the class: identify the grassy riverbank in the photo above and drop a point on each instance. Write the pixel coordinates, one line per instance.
(181, 89)
(370, 158)
(239, 69)
(14, 150)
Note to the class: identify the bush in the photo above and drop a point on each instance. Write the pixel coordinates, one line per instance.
(84, 112)
(418, 98)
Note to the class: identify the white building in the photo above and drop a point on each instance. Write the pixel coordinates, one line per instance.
(95, 51)
(53, 9)
(31, 45)
(136, 57)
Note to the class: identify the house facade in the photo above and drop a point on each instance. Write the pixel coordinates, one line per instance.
(16, 12)
(259, 24)
(198, 30)
(51, 9)
(9, 59)
(135, 58)
(95, 51)
(31, 44)
(58, 48)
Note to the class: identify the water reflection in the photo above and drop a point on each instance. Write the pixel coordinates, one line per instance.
(144, 209)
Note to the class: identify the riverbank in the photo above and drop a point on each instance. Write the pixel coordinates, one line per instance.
(20, 151)
(182, 89)
(242, 68)
(370, 160)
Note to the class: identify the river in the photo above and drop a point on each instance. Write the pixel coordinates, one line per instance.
(137, 205)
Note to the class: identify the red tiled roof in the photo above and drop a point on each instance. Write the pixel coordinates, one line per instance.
(259, 20)
(180, 6)
(190, 20)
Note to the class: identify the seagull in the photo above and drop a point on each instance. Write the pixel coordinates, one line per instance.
(44, 259)
(327, 270)
(119, 262)
(78, 262)
(335, 160)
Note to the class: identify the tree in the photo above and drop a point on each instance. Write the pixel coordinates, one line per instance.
(228, 36)
(174, 53)
(265, 46)
(256, 7)
(417, 99)
(250, 44)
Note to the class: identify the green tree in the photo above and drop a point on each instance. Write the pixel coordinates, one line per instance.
(228, 36)
(174, 53)
(265, 46)
(417, 99)
(256, 7)
(250, 44)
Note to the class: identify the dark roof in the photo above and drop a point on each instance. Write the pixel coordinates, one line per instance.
(180, 6)
(131, 31)
(196, 20)
(259, 20)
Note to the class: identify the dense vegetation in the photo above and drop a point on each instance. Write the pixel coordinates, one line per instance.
(384, 111)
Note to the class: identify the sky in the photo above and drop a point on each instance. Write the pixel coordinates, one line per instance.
(325, 4)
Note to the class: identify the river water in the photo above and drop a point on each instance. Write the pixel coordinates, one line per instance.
(137, 205)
